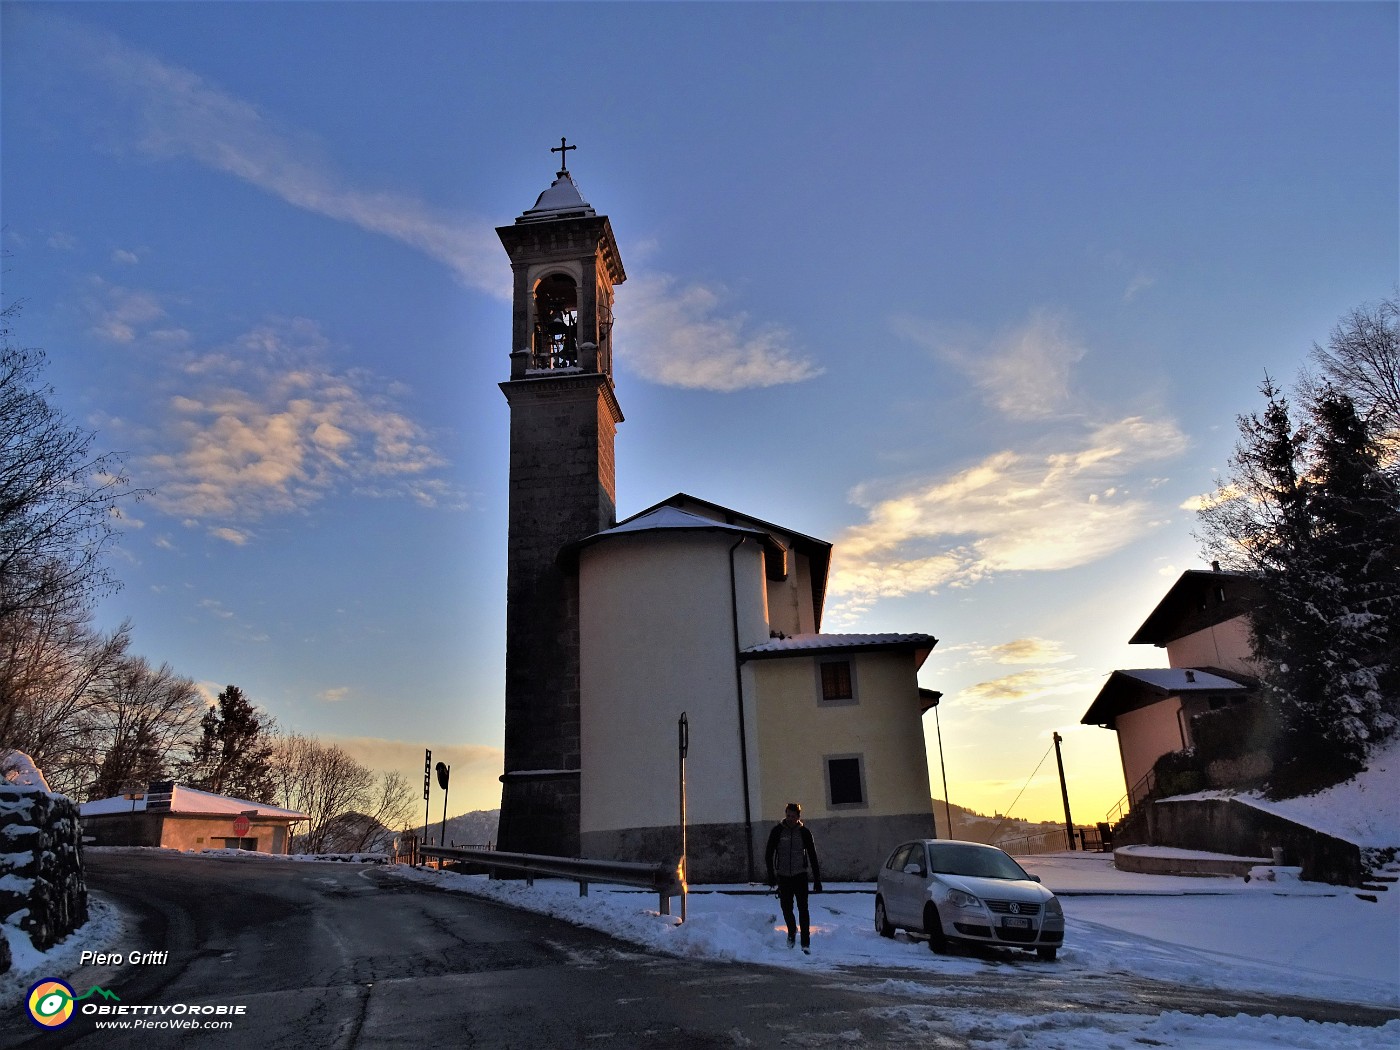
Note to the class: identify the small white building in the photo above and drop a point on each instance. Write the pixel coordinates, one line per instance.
(693, 609)
(180, 817)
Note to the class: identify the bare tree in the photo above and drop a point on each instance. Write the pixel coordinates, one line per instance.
(346, 801)
(58, 498)
(49, 660)
(142, 719)
(1362, 360)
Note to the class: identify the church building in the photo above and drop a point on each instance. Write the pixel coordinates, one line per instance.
(618, 630)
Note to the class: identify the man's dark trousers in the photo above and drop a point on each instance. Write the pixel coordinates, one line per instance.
(792, 887)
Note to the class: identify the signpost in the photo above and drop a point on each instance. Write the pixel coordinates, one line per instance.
(443, 772)
(427, 782)
(684, 748)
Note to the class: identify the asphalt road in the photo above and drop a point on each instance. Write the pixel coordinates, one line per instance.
(322, 955)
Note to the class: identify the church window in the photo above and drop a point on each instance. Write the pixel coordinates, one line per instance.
(845, 781)
(556, 323)
(837, 681)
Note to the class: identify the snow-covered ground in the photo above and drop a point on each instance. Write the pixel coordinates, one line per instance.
(1289, 938)
(1215, 934)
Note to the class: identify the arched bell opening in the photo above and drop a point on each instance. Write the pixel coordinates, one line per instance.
(556, 323)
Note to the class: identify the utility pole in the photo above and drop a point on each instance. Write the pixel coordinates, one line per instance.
(1064, 793)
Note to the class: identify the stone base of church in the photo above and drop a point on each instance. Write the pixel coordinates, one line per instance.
(539, 814)
(851, 849)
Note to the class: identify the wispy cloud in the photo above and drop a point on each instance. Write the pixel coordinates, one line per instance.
(1012, 512)
(1024, 688)
(267, 426)
(677, 334)
(1023, 371)
(1026, 651)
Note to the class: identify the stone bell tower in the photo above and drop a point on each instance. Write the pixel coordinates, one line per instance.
(563, 418)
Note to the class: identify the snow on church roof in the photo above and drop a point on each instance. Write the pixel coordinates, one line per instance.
(774, 647)
(667, 517)
(561, 201)
(191, 802)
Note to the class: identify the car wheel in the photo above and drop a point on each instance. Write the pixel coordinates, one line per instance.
(882, 922)
(1046, 954)
(933, 926)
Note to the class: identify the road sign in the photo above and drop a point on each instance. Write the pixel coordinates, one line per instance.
(241, 824)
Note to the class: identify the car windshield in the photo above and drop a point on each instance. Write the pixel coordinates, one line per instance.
(955, 858)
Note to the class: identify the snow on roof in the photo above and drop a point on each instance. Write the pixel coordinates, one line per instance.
(561, 201)
(672, 518)
(803, 643)
(192, 802)
(1184, 680)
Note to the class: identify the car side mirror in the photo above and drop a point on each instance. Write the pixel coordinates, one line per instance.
(1035, 878)
(913, 869)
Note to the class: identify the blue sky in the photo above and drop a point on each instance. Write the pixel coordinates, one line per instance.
(974, 291)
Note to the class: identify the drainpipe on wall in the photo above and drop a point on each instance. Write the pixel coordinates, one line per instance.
(739, 691)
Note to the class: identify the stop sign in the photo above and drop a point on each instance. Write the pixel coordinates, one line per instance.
(241, 825)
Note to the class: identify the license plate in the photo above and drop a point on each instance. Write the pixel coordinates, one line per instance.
(1016, 924)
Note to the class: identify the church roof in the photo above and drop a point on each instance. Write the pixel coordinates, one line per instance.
(666, 517)
(922, 644)
(561, 201)
(1133, 689)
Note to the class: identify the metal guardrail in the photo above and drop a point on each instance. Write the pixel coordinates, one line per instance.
(662, 879)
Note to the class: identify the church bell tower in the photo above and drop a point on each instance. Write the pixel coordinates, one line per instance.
(563, 419)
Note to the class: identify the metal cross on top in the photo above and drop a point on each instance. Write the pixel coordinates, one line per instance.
(563, 150)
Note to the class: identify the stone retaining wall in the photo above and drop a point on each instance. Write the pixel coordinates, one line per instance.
(1232, 827)
(42, 890)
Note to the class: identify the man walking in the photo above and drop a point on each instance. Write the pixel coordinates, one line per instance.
(790, 849)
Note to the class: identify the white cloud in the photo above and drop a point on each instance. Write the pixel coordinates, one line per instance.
(126, 258)
(120, 313)
(678, 336)
(183, 115)
(266, 426)
(1026, 651)
(1012, 512)
(1023, 371)
(1026, 687)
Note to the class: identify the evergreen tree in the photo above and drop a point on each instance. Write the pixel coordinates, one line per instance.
(1353, 563)
(234, 753)
(1312, 511)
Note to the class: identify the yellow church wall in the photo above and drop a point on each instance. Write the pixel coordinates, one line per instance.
(797, 731)
(657, 639)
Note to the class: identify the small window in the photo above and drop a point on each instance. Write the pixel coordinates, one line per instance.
(837, 682)
(845, 781)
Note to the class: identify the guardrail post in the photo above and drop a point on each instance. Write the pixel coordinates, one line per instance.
(583, 887)
(665, 906)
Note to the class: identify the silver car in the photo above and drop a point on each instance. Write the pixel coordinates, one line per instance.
(966, 892)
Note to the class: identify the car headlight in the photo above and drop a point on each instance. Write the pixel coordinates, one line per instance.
(959, 899)
(1053, 909)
